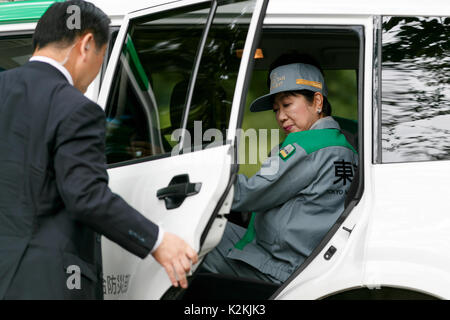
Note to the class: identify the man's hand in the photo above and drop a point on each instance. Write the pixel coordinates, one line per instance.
(175, 255)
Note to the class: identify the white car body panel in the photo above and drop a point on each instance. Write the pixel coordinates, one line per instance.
(138, 184)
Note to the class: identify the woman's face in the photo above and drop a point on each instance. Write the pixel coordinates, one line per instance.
(295, 113)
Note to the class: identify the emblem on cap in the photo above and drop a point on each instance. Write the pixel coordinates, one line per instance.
(287, 151)
(276, 80)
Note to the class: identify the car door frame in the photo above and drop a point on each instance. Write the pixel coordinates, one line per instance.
(338, 237)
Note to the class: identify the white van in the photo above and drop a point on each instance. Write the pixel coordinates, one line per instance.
(386, 65)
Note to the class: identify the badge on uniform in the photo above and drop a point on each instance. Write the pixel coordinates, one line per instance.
(287, 151)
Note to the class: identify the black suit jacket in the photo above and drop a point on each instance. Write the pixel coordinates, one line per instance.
(54, 195)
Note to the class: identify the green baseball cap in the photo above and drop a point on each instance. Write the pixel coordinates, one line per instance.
(291, 77)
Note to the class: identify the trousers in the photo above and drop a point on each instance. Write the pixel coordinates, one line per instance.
(217, 261)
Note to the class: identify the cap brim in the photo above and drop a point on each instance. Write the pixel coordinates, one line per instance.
(263, 103)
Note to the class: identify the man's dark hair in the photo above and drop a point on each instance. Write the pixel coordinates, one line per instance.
(295, 57)
(53, 27)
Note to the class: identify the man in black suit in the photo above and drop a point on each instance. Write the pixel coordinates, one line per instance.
(54, 195)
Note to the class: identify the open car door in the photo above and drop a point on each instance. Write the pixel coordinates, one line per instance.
(175, 84)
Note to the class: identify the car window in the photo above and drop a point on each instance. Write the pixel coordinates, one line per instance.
(415, 93)
(160, 86)
(337, 50)
(159, 51)
(14, 51)
(210, 109)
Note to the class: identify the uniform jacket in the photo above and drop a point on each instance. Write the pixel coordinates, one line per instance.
(295, 205)
(54, 195)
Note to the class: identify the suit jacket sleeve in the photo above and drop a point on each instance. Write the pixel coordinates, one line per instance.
(82, 181)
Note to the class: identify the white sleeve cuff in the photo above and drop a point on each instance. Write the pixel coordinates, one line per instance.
(159, 240)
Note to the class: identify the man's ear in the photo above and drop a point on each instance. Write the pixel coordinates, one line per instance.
(86, 44)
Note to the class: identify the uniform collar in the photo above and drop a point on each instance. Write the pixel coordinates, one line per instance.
(325, 123)
(55, 64)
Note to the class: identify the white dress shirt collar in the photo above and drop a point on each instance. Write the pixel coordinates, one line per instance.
(55, 64)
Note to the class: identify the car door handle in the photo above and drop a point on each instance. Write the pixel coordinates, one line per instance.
(177, 191)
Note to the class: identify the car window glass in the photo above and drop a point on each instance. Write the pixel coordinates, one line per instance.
(415, 89)
(14, 51)
(158, 52)
(210, 108)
